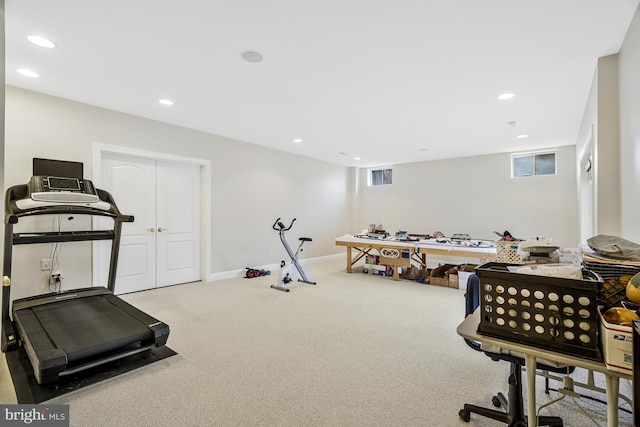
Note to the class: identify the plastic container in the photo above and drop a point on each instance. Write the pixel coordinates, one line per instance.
(553, 313)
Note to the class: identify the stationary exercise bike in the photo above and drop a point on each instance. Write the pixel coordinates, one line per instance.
(287, 270)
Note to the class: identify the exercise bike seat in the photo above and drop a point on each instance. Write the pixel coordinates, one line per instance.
(305, 239)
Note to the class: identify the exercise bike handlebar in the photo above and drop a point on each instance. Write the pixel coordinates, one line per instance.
(281, 226)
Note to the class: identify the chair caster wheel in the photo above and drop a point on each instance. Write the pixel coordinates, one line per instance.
(496, 401)
(465, 415)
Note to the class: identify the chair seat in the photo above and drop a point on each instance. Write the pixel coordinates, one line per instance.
(497, 353)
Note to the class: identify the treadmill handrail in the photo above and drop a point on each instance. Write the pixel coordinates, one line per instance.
(19, 192)
(62, 236)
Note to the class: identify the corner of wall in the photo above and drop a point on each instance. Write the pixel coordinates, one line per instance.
(607, 158)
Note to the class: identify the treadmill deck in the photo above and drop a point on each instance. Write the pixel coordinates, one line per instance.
(63, 331)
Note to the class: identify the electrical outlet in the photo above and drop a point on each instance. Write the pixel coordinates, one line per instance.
(55, 280)
(45, 264)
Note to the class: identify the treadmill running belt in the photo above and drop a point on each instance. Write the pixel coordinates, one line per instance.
(86, 327)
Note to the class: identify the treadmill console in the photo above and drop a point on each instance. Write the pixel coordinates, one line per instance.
(47, 191)
(62, 190)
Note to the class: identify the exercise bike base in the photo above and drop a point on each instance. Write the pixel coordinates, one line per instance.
(280, 288)
(308, 282)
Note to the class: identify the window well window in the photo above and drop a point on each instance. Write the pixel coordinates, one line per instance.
(533, 164)
(380, 176)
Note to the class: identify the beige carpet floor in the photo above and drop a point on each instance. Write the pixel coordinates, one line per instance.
(355, 350)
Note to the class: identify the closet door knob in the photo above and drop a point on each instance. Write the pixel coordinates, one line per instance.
(151, 230)
(160, 229)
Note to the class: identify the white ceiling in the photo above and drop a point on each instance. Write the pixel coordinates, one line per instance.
(387, 81)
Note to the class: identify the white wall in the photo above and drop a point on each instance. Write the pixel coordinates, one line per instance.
(629, 64)
(475, 195)
(607, 152)
(613, 110)
(600, 121)
(586, 144)
(251, 185)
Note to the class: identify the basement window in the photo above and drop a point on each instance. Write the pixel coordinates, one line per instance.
(380, 176)
(533, 164)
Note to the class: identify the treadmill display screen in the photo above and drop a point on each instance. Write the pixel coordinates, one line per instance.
(63, 168)
(63, 184)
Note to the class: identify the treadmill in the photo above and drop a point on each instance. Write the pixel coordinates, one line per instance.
(67, 332)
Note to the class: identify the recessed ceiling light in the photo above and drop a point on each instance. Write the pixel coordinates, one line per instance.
(41, 41)
(522, 136)
(27, 72)
(505, 96)
(298, 140)
(251, 56)
(165, 101)
(356, 158)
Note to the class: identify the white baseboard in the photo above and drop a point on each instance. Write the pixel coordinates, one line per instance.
(212, 277)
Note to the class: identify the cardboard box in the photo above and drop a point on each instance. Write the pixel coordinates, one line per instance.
(368, 270)
(404, 262)
(453, 281)
(378, 270)
(439, 281)
(459, 281)
(375, 272)
(617, 345)
(372, 259)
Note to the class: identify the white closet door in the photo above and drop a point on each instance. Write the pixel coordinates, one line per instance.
(178, 223)
(132, 183)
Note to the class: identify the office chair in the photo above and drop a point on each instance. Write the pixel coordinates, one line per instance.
(514, 404)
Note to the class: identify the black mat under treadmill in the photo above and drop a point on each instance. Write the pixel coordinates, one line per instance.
(68, 332)
(28, 391)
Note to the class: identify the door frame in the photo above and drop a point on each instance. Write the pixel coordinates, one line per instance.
(588, 188)
(98, 151)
